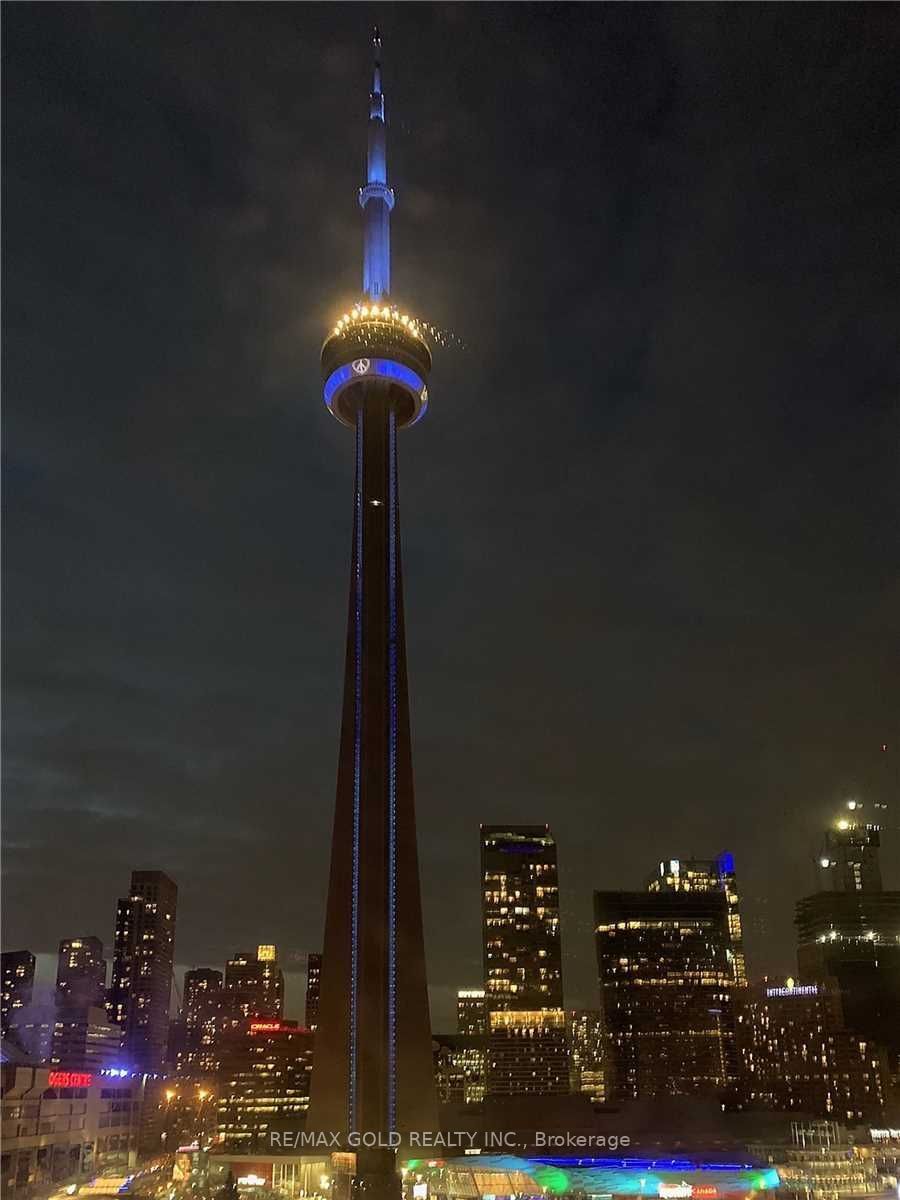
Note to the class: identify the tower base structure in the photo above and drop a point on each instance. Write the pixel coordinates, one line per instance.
(376, 1176)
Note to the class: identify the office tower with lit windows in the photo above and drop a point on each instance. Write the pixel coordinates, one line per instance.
(373, 1063)
(254, 986)
(263, 1082)
(522, 961)
(707, 875)
(520, 918)
(202, 1017)
(313, 985)
(83, 1039)
(17, 984)
(471, 1011)
(795, 1054)
(528, 1053)
(143, 958)
(460, 1066)
(81, 973)
(848, 931)
(587, 1054)
(667, 982)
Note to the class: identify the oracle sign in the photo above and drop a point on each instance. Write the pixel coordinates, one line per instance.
(63, 1079)
(267, 1026)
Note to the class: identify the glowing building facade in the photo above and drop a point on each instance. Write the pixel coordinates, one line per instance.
(528, 1053)
(471, 1011)
(848, 932)
(263, 1082)
(460, 1068)
(17, 984)
(81, 973)
(313, 989)
(203, 1015)
(528, 1048)
(373, 1061)
(520, 918)
(708, 875)
(587, 1055)
(667, 983)
(795, 1054)
(254, 985)
(143, 958)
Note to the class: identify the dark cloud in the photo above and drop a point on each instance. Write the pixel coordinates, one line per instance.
(650, 522)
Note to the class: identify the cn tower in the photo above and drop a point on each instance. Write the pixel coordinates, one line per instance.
(372, 1071)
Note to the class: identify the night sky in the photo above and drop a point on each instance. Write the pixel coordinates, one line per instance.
(650, 522)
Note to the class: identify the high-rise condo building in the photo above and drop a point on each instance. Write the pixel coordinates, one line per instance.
(587, 1054)
(143, 957)
(667, 981)
(203, 1014)
(707, 875)
(795, 1054)
(520, 918)
(460, 1066)
(17, 984)
(263, 1082)
(528, 1053)
(313, 985)
(81, 973)
(849, 931)
(522, 961)
(254, 985)
(471, 1011)
(84, 1039)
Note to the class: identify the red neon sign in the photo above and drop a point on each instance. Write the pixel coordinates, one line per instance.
(79, 1079)
(267, 1027)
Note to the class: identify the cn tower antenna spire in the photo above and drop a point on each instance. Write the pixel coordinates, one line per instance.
(376, 74)
(376, 198)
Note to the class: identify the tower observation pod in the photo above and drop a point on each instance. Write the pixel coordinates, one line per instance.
(372, 1073)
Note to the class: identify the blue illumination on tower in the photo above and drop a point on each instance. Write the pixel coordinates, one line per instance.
(373, 1069)
(376, 198)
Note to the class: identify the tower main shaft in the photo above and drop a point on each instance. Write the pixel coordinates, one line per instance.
(372, 1067)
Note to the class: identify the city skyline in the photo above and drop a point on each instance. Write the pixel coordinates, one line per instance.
(295, 983)
(692, 655)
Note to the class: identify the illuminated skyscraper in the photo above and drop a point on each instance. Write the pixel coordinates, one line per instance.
(849, 931)
(18, 983)
(528, 1053)
(313, 989)
(263, 1083)
(520, 918)
(796, 1054)
(84, 1040)
(460, 1063)
(81, 973)
(471, 1011)
(254, 985)
(528, 1046)
(373, 1063)
(587, 1054)
(203, 1014)
(143, 958)
(667, 983)
(707, 875)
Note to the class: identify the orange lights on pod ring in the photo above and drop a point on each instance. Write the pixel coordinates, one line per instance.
(366, 312)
